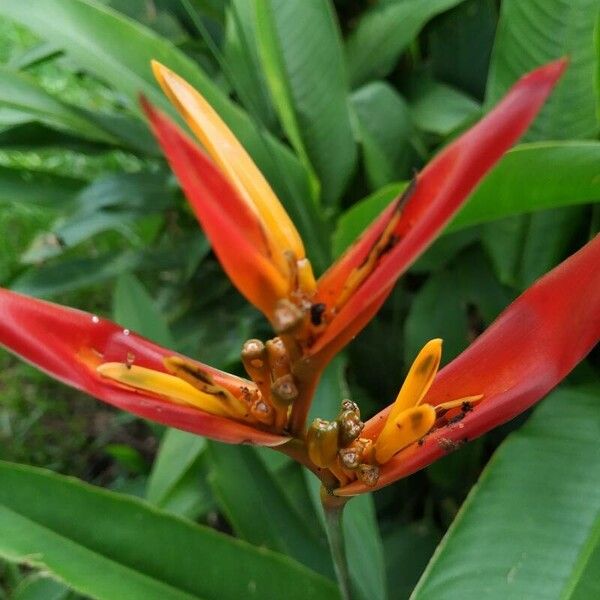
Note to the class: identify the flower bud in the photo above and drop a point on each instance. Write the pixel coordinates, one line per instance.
(368, 474)
(322, 442)
(284, 390)
(350, 427)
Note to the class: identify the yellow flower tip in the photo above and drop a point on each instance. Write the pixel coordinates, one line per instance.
(419, 378)
(306, 278)
(167, 386)
(158, 69)
(410, 426)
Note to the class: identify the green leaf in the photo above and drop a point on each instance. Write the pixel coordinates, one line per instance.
(537, 31)
(240, 53)
(385, 132)
(522, 182)
(33, 55)
(258, 509)
(76, 229)
(134, 308)
(460, 44)
(177, 453)
(37, 187)
(72, 274)
(441, 109)
(407, 550)
(109, 546)
(384, 32)
(23, 93)
(525, 248)
(302, 55)
(40, 587)
(531, 527)
(118, 51)
(365, 548)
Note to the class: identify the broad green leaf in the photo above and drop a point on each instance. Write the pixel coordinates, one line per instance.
(384, 32)
(118, 51)
(385, 131)
(240, 53)
(407, 550)
(144, 191)
(365, 548)
(178, 451)
(258, 509)
(530, 528)
(20, 133)
(439, 108)
(23, 93)
(301, 50)
(529, 34)
(40, 587)
(523, 249)
(190, 496)
(134, 308)
(76, 229)
(33, 55)
(109, 546)
(37, 188)
(77, 273)
(460, 44)
(534, 32)
(522, 182)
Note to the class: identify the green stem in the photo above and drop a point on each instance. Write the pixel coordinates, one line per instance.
(334, 513)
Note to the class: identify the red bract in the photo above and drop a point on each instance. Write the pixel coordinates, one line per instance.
(529, 349)
(437, 193)
(70, 344)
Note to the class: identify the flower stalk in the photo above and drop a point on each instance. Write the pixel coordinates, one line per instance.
(333, 507)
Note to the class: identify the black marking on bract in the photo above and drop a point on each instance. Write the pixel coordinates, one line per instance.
(196, 372)
(407, 194)
(394, 239)
(459, 417)
(466, 407)
(316, 313)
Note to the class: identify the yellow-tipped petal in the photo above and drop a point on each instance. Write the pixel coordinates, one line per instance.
(419, 379)
(407, 428)
(174, 389)
(234, 162)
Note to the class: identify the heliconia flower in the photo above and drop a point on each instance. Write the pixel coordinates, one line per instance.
(530, 348)
(263, 255)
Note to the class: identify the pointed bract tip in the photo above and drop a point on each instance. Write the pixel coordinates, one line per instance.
(550, 72)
